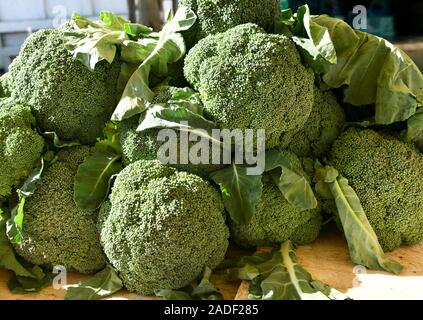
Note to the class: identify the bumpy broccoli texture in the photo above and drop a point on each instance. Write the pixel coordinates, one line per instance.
(219, 16)
(324, 125)
(56, 231)
(386, 174)
(162, 227)
(66, 96)
(144, 145)
(276, 220)
(4, 86)
(20, 145)
(248, 79)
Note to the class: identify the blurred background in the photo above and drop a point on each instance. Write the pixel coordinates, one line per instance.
(401, 21)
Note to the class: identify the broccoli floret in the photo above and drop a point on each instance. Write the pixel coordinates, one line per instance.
(20, 145)
(276, 220)
(144, 145)
(4, 86)
(66, 96)
(386, 174)
(248, 79)
(219, 16)
(56, 231)
(162, 227)
(324, 125)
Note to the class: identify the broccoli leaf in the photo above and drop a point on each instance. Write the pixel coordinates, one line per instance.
(293, 185)
(314, 40)
(57, 142)
(204, 290)
(8, 258)
(101, 285)
(415, 129)
(15, 224)
(362, 240)
(22, 284)
(170, 48)
(277, 275)
(92, 42)
(94, 175)
(240, 191)
(369, 69)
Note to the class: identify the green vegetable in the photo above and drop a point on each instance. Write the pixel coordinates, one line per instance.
(324, 125)
(92, 42)
(248, 79)
(56, 231)
(204, 290)
(362, 240)
(93, 179)
(26, 277)
(168, 49)
(101, 285)
(162, 227)
(386, 175)
(20, 145)
(65, 96)
(370, 70)
(276, 220)
(242, 191)
(278, 276)
(169, 106)
(219, 16)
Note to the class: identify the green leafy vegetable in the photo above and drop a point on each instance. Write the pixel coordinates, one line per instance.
(293, 185)
(8, 258)
(314, 39)
(415, 129)
(25, 278)
(15, 224)
(93, 42)
(362, 241)
(38, 281)
(93, 179)
(101, 285)
(204, 290)
(277, 275)
(170, 47)
(240, 191)
(370, 69)
(58, 143)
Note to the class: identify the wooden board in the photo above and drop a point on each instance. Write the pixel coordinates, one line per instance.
(327, 260)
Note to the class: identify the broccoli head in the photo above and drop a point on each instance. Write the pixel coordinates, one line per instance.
(276, 220)
(324, 125)
(20, 145)
(66, 96)
(220, 16)
(162, 227)
(248, 79)
(56, 231)
(144, 145)
(386, 174)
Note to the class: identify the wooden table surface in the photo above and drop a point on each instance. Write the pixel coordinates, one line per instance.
(327, 260)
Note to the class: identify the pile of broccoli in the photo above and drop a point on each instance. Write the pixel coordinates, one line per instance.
(160, 226)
